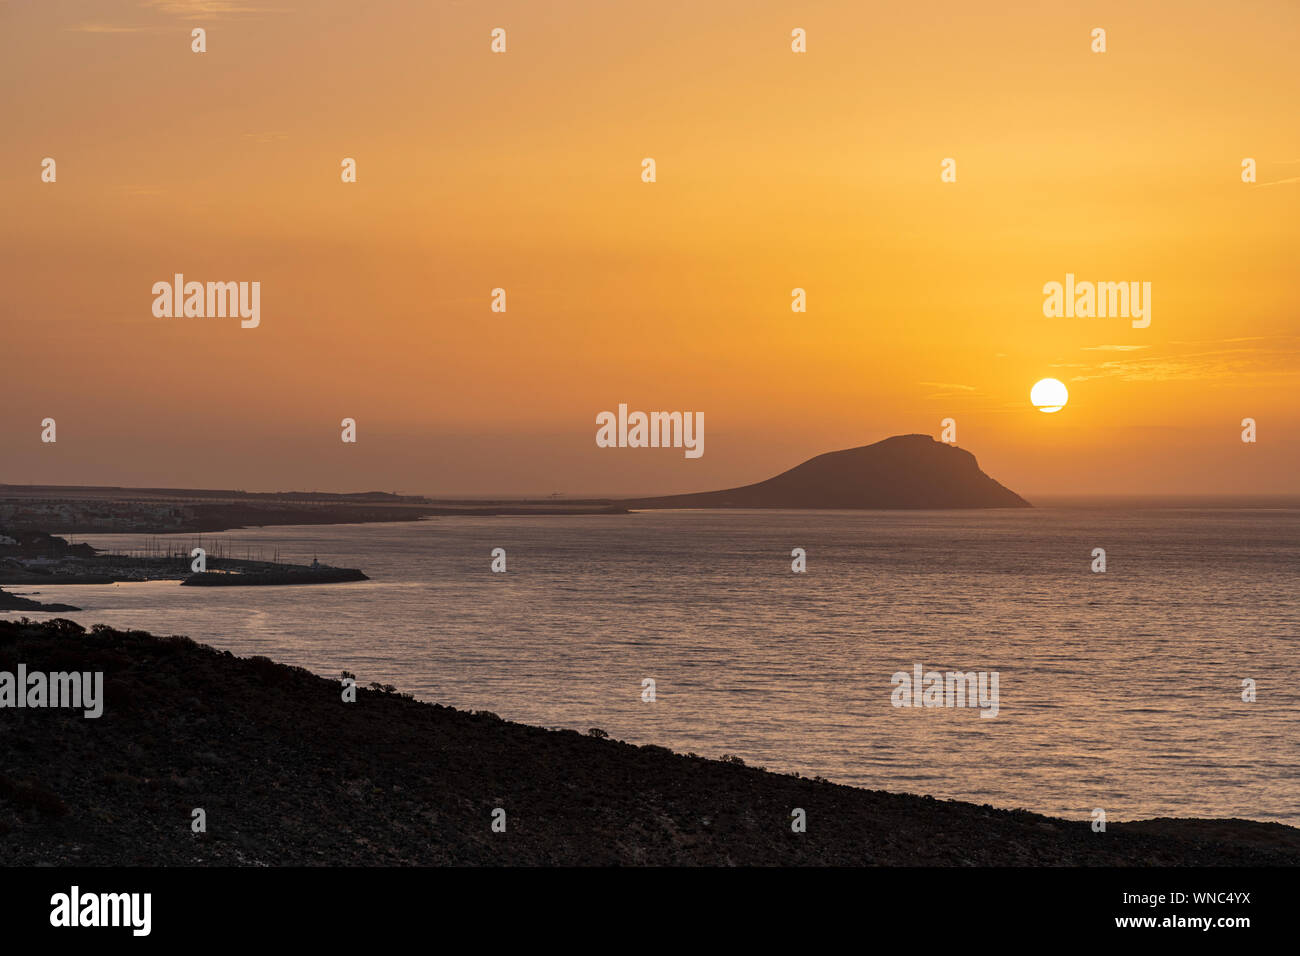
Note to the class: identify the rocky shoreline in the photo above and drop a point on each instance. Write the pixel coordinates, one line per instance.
(14, 602)
(288, 773)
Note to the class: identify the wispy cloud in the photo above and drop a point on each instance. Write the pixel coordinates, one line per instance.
(184, 9)
(1289, 179)
(137, 192)
(948, 389)
(1279, 360)
(1114, 348)
(1232, 341)
(192, 9)
(108, 28)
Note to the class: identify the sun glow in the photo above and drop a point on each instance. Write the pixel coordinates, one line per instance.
(1049, 395)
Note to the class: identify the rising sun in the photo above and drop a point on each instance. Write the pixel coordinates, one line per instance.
(1049, 395)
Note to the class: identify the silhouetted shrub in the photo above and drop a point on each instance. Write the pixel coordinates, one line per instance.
(62, 627)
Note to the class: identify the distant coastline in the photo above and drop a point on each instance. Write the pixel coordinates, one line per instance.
(902, 472)
(1171, 502)
(75, 510)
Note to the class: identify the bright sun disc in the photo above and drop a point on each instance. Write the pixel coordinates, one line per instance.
(1049, 395)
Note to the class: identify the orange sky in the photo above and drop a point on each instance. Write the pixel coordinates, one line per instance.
(522, 171)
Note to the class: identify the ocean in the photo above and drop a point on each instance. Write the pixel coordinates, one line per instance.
(1119, 690)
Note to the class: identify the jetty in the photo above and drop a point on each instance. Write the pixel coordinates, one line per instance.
(283, 574)
(36, 558)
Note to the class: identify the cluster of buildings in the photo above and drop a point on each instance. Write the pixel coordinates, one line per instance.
(90, 514)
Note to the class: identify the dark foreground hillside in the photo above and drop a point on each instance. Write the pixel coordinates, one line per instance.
(288, 773)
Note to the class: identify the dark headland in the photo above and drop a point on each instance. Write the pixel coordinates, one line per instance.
(906, 471)
(289, 774)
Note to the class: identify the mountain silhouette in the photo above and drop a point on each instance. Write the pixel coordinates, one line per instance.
(906, 471)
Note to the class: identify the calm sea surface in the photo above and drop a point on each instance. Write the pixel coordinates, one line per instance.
(1119, 690)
